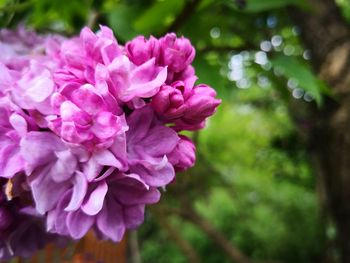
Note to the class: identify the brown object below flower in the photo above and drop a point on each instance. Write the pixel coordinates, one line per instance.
(87, 250)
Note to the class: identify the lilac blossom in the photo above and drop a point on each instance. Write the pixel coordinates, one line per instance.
(89, 132)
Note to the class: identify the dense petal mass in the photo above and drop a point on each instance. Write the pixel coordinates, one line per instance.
(83, 117)
(130, 81)
(89, 130)
(148, 144)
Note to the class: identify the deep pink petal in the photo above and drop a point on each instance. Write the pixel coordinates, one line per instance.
(139, 123)
(160, 141)
(87, 99)
(154, 175)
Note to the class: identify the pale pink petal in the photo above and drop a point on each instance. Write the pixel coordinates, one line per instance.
(93, 205)
(79, 191)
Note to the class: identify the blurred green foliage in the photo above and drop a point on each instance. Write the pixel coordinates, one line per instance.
(252, 179)
(265, 204)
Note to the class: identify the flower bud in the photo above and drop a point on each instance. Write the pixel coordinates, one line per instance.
(170, 101)
(199, 105)
(176, 53)
(202, 104)
(184, 154)
(139, 50)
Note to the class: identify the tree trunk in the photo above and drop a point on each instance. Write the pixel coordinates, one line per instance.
(327, 35)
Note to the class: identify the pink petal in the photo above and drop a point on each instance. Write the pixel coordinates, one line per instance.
(106, 125)
(91, 169)
(110, 220)
(134, 216)
(161, 140)
(145, 81)
(64, 167)
(139, 123)
(87, 99)
(93, 205)
(79, 192)
(46, 192)
(11, 161)
(47, 142)
(40, 88)
(79, 224)
(19, 124)
(107, 158)
(153, 175)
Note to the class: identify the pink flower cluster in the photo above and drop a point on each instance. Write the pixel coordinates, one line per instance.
(94, 127)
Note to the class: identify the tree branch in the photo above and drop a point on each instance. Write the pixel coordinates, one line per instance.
(188, 213)
(183, 244)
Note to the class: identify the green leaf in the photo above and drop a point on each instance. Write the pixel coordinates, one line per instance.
(254, 6)
(120, 20)
(158, 16)
(293, 68)
(259, 5)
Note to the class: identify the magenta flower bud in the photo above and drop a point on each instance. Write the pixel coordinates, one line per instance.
(170, 101)
(5, 219)
(139, 50)
(202, 103)
(184, 154)
(176, 53)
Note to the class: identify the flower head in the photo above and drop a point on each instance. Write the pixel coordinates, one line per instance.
(89, 130)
